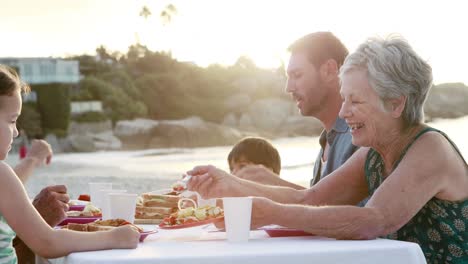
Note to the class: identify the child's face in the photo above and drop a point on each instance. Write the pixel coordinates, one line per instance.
(10, 109)
(235, 166)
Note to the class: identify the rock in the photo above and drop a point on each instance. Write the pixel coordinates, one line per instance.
(82, 143)
(269, 114)
(192, 132)
(106, 141)
(447, 101)
(300, 126)
(245, 122)
(133, 127)
(89, 127)
(135, 134)
(238, 103)
(230, 120)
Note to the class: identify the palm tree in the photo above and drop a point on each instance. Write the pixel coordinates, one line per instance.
(145, 12)
(167, 14)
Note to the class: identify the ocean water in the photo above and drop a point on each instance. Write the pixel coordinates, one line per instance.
(147, 170)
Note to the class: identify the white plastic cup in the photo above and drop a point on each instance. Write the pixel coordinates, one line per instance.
(105, 209)
(237, 216)
(94, 192)
(123, 205)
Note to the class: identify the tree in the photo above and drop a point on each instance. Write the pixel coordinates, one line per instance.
(167, 14)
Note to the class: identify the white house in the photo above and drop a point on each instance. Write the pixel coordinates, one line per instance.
(45, 70)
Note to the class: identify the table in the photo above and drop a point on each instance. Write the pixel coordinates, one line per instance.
(200, 245)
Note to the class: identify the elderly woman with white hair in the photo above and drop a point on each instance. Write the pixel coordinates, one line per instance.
(416, 176)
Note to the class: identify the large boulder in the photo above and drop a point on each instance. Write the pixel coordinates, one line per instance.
(269, 114)
(89, 127)
(192, 132)
(230, 120)
(82, 143)
(447, 101)
(300, 126)
(106, 141)
(135, 134)
(237, 103)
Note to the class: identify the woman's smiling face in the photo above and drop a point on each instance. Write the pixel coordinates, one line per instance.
(363, 109)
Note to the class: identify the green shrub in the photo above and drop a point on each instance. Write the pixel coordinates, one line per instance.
(30, 120)
(90, 117)
(53, 101)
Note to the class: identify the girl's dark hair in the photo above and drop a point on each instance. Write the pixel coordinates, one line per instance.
(11, 82)
(258, 151)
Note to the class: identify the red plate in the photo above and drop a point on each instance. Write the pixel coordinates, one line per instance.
(199, 223)
(144, 234)
(283, 231)
(77, 207)
(79, 220)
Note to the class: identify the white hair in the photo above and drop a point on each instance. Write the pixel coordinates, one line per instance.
(393, 70)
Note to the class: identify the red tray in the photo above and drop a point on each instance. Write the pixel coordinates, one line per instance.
(79, 220)
(284, 232)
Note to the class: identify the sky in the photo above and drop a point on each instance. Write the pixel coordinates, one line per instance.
(219, 31)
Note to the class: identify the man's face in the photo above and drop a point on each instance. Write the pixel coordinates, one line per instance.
(305, 84)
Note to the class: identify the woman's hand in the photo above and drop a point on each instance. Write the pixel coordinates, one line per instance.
(125, 237)
(263, 212)
(211, 182)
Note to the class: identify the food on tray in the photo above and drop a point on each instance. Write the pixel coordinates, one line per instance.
(153, 208)
(100, 225)
(192, 214)
(84, 197)
(178, 187)
(89, 211)
(160, 200)
(152, 215)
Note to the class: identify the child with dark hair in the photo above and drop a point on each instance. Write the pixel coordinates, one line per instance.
(17, 214)
(254, 150)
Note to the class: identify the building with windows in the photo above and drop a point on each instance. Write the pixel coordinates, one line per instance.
(45, 70)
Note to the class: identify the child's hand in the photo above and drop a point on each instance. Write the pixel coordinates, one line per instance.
(125, 237)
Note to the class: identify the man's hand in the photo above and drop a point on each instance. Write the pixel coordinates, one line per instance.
(40, 151)
(52, 203)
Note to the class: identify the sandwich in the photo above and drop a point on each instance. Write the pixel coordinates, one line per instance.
(153, 208)
(160, 200)
(152, 215)
(100, 225)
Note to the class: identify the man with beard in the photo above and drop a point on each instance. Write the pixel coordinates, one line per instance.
(314, 84)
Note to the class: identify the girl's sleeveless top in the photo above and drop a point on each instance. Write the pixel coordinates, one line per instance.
(7, 251)
(440, 227)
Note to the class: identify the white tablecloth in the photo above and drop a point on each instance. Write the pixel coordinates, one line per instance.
(198, 245)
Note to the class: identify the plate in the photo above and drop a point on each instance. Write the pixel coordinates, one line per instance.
(77, 207)
(199, 223)
(79, 220)
(279, 231)
(144, 234)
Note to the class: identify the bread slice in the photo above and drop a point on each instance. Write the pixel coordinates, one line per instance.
(148, 221)
(77, 227)
(160, 200)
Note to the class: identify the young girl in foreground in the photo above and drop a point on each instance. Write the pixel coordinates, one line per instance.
(16, 211)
